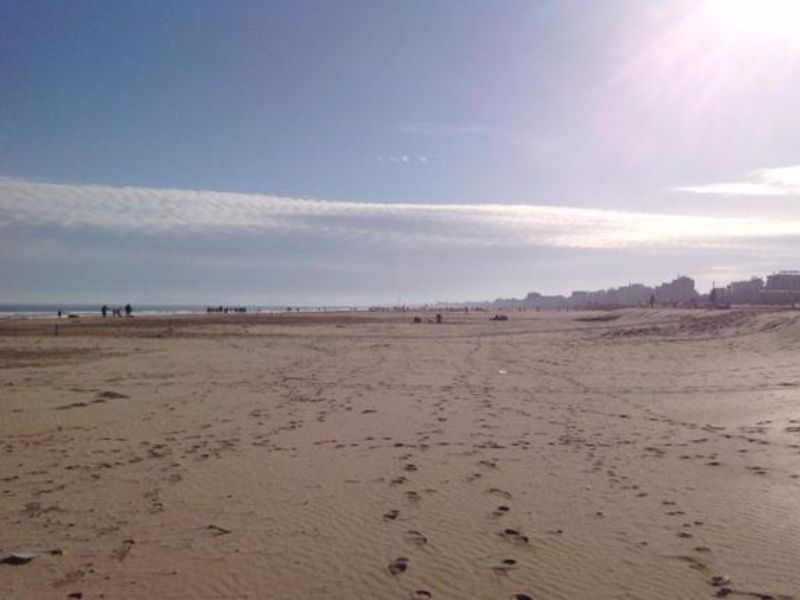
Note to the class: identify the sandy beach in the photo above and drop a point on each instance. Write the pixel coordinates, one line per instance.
(559, 455)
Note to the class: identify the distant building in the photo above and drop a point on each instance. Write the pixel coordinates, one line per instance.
(782, 288)
(678, 291)
(745, 292)
(784, 280)
(634, 294)
(580, 298)
(719, 296)
(539, 301)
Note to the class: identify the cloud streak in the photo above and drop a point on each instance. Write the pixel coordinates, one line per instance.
(155, 211)
(780, 181)
(441, 129)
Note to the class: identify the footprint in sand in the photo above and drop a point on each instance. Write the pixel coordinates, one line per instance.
(506, 565)
(514, 535)
(391, 515)
(122, 552)
(501, 510)
(499, 492)
(415, 537)
(398, 566)
(413, 496)
(420, 595)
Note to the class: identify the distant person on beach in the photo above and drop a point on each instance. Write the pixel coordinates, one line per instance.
(104, 310)
(59, 314)
(128, 310)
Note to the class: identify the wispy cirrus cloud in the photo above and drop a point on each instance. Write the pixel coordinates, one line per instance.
(153, 211)
(780, 181)
(441, 129)
(405, 159)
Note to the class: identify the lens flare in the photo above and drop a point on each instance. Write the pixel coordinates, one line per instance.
(775, 17)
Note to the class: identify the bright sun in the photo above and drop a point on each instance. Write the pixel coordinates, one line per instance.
(758, 16)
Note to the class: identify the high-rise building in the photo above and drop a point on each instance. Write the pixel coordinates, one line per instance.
(745, 292)
(680, 290)
(784, 280)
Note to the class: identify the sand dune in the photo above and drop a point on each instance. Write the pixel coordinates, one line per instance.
(634, 454)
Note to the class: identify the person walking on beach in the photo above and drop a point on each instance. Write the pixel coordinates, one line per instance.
(128, 310)
(104, 310)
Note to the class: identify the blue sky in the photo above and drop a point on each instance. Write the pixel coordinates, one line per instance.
(359, 152)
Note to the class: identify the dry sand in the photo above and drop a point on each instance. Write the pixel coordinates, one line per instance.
(636, 454)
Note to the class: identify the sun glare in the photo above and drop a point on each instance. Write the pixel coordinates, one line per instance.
(758, 16)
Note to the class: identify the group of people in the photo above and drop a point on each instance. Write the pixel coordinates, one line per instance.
(226, 309)
(117, 311)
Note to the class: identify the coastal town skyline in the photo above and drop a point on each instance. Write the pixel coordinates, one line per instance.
(779, 288)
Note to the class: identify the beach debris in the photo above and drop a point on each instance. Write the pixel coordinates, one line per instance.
(398, 565)
(76, 595)
(502, 372)
(218, 530)
(17, 558)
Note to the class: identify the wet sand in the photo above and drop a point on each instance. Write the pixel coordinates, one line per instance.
(635, 454)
